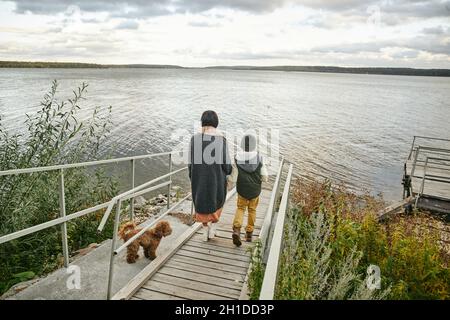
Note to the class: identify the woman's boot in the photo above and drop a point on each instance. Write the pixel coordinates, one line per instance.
(206, 232)
(237, 236)
(212, 230)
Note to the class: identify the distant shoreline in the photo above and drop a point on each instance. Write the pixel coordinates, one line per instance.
(322, 69)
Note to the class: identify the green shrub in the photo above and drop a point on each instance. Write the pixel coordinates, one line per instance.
(308, 269)
(256, 274)
(54, 135)
(411, 260)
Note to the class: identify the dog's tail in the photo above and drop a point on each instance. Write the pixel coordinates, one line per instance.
(125, 228)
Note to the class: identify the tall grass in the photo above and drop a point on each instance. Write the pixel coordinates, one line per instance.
(332, 237)
(54, 135)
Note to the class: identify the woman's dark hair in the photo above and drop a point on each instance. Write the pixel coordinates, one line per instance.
(210, 118)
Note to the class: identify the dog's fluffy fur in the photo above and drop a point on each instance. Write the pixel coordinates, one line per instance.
(149, 240)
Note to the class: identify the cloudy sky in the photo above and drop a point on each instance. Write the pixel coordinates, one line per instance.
(394, 33)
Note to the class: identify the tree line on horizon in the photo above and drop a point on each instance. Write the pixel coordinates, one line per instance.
(324, 69)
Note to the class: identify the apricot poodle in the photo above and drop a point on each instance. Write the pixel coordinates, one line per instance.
(149, 240)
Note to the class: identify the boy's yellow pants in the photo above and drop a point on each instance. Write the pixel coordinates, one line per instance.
(243, 204)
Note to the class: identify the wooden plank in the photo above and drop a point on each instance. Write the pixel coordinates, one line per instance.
(223, 233)
(216, 253)
(226, 234)
(146, 294)
(214, 246)
(134, 284)
(432, 188)
(207, 257)
(434, 205)
(197, 286)
(210, 264)
(383, 214)
(225, 228)
(210, 278)
(221, 242)
(221, 274)
(185, 293)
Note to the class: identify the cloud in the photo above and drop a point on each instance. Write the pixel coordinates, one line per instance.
(145, 8)
(405, 54)
(247, 31)
(54, 30)
(438, 30)
(128, 25)
(433, 45)
(203, 24)
(91, 20)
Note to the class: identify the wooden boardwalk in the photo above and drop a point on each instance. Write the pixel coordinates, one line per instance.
(195, 269)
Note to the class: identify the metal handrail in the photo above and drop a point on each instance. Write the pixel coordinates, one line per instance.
(51, 223)
(425, 138)
(433, 150)
(63, 218)
(85, 164)
(418, 149)
(130, 192)
(424, 176)
(263, 235)
(271, 272)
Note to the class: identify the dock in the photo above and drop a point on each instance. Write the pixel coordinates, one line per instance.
(427, 174)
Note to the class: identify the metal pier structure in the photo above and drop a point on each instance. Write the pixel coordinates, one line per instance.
(190, 268)
(427, 174)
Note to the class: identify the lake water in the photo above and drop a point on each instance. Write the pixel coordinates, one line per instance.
(352, 128)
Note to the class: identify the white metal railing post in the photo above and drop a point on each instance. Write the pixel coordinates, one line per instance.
(169, 188)
(113, 248)
(133, 172)
(62, 214)
(271, 272)
(422, 186)
(192, 209)
(271, 209)
(416, 155)
(412, 148)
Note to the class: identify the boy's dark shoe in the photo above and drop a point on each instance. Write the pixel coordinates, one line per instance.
(237, 237)
(248, 236)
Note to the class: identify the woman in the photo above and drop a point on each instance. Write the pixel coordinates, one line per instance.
(209, 165)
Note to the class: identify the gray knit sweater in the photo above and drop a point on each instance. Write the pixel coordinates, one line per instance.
(209, 165)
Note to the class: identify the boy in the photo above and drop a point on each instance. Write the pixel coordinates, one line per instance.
(248, 172)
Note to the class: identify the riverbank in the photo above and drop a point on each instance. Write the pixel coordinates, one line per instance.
(320, 69)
